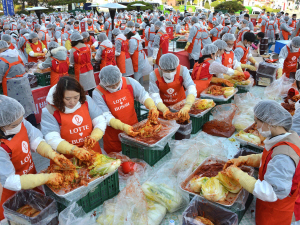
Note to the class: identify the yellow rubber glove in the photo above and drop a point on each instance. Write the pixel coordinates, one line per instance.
(97, 134)
(154, 61)
(30, 181)
(216, 80)
(249, 160)
(65, 147)
(90, 141)
(239, 69)
(252, 60)
(116, 124)
(190, 99)
(187, 45)
(81, 154)
(279, 73)
(46, 150)
(243, 178)
(129, 130)
(162, 107)
(153, 112)
(149, 103)
(238, 73)
(247, 66)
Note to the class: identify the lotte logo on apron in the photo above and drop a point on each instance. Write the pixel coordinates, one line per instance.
(38, 49)
(294, 58)
(77, 120)
(170, 91)
(25, 147)
(230, 60)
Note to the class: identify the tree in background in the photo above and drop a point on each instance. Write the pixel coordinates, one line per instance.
(143, 8)
(63, 2)
(231, 7)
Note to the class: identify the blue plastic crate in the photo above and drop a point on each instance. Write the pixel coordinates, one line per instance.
(279, 45)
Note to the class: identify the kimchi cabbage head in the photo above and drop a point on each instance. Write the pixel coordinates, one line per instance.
(197, 182)
(230, 184)
(213, 190)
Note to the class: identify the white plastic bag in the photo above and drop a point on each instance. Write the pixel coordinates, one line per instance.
(279, 88)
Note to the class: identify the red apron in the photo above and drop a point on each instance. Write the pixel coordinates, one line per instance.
(135, 57)
(217, 37)
(4, 79)
(76, 126)
(293, 24)
(210, 24)
(241, 35)
(163, 46)
(191, 46)
(263, 28)
(76, 28)
(290, 63)
(44, 41)
(21, 159)
(281, 211)
(107, 31)
(90, 27)
(121, 59)
(285, 34)
(170, 93)
(59, 69)
(139, 20)
(36, 49)
(82, 58)
(24, 45)
(121, 106)
(11, 46)
(227, 59)
(244, 59)
(108, 57)
(201, 76)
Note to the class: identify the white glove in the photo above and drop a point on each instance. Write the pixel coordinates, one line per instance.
(45, 50)
(117, 53)
(96, 44)
(256, 65)
(31, 53)
(155, 51)
(230, 72)
(40, 66)
(297, 104)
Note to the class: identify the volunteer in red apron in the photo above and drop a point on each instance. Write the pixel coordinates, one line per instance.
(168, 83)
(80, 56)
(115, 97)
(245, 28)
(131, 26)
(108, 26)
(263, 23)
(193, 46)
(211, 18)
(89, 40)
(288, 58)
(216, 31)
(35, 49)
(277, 187)
(242, 51)
(160, 43)
(228, 58)
(106, 53)
(7, 38)
(123, 59)
(285, 30)
(58, 61)
(89, 25)
(70, 117)
(292, 22)
(17, 138)
(207, 66)
(261, 15)
(76, 26)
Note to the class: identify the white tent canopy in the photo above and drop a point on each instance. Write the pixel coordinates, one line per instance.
(113, 6)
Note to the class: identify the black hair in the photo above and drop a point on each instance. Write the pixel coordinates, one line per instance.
(249, 36)
(161, 18)
(241, 12)
(74, 43)
(282, 12)
(246, 15)
(215, 13)
(201, 59)
(129, 35)
(77, 22)
(261, 34)
(268, 12)
(294, 15)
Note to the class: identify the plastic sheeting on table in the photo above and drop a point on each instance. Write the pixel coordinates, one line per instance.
(74, 215)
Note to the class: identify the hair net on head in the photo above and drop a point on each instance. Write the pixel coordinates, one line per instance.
(297, 76)
(110, 75)
(186, 19)
(5, 26)
(286, 18)
(168, 61)
(85, 34)
(102, 37)
(158, 24)
(296, 42)
(116, 31)
(272, 113)
(215, 23)
(49, 26)
(127, 30)
(6, 37)
(169, 23)
(53, 44)
(3, 44)
(220, 44)
(76, 36)
(228, 37)
(194, 19)
(10, 110)
(137, 25)
(23, 31)
(130, 24)
(245, 22)
(37, 26)
(203, 17)
(209, 49)
(32, 35)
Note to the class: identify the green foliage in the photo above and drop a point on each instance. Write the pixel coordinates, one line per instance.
(268, 9)
(231, 7)
(217, 2)
(206, 5)
(65, 2)
(143, 8)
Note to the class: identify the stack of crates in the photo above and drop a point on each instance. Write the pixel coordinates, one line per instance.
(43, 78)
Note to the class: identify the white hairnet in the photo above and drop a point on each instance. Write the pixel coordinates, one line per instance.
(228, 37)
(296, 42)
(3, 44)
(296, 122)
(194, 19)
(85, 34)
(32, 35)
(286, 18)
(130, 24)
(209, 49)
(37, 26)
(23, 31)
(49, 26)
(116, 31)
(297, 76)
(102, 37)
(127, 30)
(76, 36)
(158, 24)
(10, 110)
(168, 61)
(110, 75)
(53, 44)
(220, 44)
(6, 37)
(272, 113)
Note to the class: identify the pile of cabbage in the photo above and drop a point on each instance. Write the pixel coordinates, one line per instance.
(215, 188)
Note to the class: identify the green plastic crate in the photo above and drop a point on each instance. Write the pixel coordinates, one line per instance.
(148, 155)
(137, 107)
(43, 78)
(197, 123)
(225, 102)
(1, 90)
(107, 189)
(242, 89)
(143, 117)
(140, 32)
(71, 70)
(181, 44)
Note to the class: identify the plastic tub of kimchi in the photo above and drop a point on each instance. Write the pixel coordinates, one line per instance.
(251, 136)
(209, 182)
(157, 136)
(219, 93)
(198, 109)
